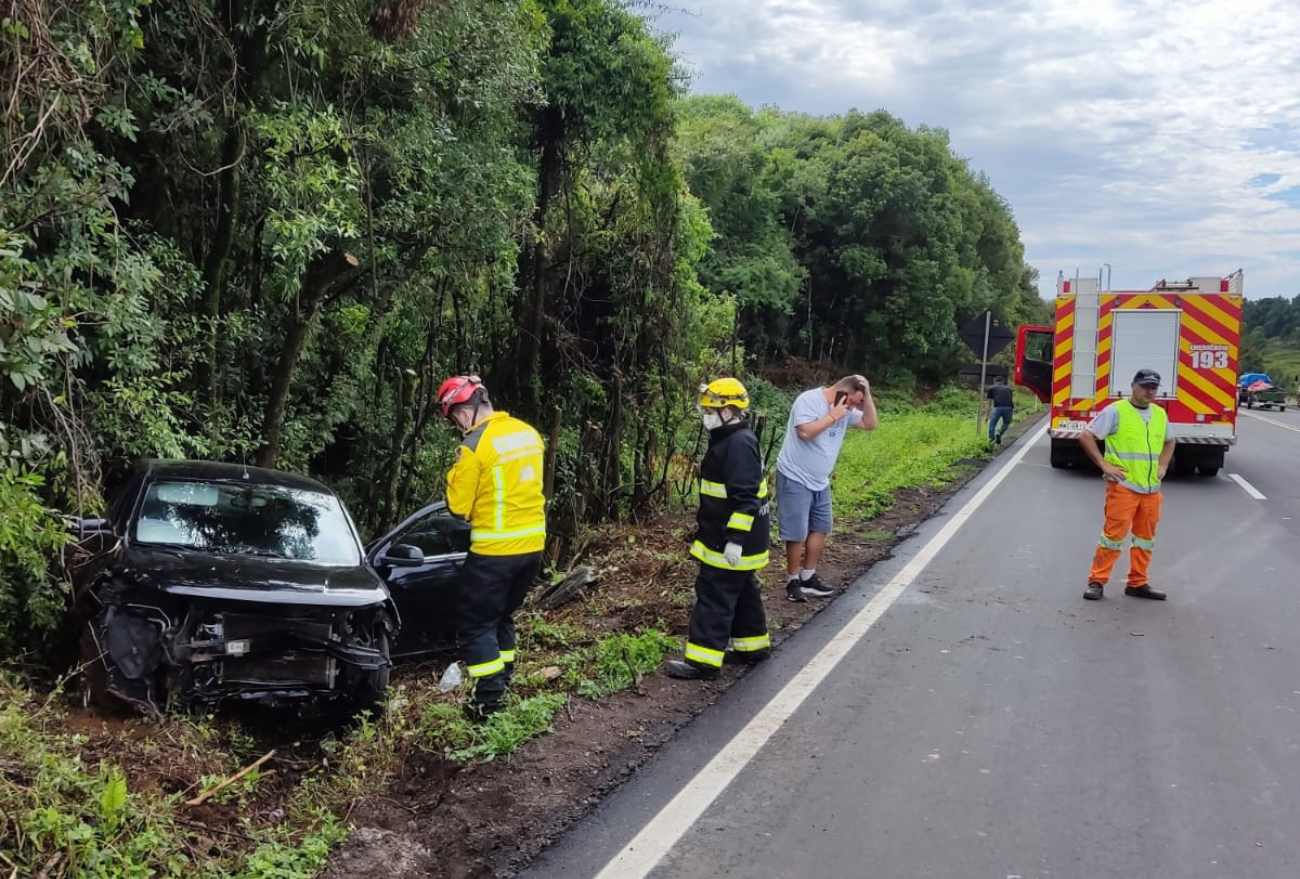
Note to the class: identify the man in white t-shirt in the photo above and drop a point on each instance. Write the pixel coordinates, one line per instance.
(813, 437)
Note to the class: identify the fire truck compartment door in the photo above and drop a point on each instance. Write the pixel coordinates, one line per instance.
(1144, 339)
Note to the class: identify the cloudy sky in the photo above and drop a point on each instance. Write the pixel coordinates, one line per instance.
(1159, 136)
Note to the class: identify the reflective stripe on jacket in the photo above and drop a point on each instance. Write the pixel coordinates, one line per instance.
(496, 483)
(733, 500)
(1136, 446)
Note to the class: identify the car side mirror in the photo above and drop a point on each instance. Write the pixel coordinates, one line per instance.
(403, 555)
(94, 528)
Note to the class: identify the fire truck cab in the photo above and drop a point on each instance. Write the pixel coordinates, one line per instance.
(1188, 331)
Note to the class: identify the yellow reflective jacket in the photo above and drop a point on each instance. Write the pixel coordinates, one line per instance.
(496, 483)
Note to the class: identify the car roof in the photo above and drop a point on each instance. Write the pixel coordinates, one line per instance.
(215, 471)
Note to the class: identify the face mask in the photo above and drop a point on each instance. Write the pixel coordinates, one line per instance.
(712, 420)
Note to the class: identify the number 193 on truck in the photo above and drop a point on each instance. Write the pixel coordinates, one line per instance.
(1188, 331)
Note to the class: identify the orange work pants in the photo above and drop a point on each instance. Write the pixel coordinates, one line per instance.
(1126, 511)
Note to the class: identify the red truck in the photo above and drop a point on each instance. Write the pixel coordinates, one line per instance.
(1188, 331)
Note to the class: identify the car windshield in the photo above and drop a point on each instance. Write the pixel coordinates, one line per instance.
(256, 520)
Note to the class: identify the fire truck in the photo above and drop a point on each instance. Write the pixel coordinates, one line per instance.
(1188, 331)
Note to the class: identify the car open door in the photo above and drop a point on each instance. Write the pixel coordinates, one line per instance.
(1034, 361)
(420, 560)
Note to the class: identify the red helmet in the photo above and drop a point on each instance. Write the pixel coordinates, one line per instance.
(457, 390)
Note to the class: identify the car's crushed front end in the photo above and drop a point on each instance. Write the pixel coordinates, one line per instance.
(203, 650)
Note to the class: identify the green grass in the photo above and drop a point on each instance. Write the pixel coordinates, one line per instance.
(443, 727)
(1282, 363)
(62, 814)
(915, 446)
(617, 662)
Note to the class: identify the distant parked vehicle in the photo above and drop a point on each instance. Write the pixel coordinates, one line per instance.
(1257, 389)
(211, 582)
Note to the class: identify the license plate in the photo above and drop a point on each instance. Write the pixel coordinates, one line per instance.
(1071, 425)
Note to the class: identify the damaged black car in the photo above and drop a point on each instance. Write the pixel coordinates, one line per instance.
(210, 582)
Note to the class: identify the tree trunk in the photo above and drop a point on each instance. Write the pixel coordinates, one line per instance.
(611, 468)
(249, 63)
(405, 394)
(321, 276)
(552, 453)
(529, 355)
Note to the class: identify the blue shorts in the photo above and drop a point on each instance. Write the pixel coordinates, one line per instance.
(800, 510)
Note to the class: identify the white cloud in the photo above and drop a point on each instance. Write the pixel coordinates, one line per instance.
(1160, 136)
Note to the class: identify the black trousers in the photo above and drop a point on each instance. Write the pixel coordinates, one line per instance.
(728, 605)
(491, 589)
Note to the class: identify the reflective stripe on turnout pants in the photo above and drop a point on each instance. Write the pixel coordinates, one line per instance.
(1127, 511)
(491, 589)
(728, 605)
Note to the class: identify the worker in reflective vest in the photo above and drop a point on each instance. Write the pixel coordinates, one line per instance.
(731, 540)
(496, 484)
(1138, 452)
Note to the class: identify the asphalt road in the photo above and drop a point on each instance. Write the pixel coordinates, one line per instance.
(991, 723)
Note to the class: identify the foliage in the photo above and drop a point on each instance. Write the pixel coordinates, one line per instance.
(890, 241)
(1276, 318)
(443, 728)
(63, 815)
(616, 662)
(30, 535)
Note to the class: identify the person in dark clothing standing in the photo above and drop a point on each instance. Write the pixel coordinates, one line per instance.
(731, 543)
(1003, 404)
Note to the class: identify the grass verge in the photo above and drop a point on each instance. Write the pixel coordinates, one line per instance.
(915, 446)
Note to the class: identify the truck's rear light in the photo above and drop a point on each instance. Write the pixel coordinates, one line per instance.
(1223, 286)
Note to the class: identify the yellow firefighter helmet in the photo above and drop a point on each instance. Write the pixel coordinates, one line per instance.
(723, 392)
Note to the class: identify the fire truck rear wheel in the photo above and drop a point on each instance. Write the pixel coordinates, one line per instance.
(1058, 456)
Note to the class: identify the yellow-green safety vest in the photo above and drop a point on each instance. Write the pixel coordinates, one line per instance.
(1136, 445)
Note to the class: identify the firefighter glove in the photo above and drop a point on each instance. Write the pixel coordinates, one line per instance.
(732, 554)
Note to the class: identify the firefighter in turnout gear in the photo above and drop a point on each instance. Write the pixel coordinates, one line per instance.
(731, 541)
(496, 484)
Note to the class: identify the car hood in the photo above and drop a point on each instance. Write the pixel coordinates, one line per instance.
(249, 578)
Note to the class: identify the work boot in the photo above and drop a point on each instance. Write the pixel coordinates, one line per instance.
(744, 657)
(794, 590)
(688, 671)
(1093, 592)
(479, 712)
(815, 587)
(1144, 592)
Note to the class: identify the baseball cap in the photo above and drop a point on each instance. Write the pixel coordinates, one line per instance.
(1147, 377)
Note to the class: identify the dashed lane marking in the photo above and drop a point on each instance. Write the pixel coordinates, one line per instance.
(1247, 487)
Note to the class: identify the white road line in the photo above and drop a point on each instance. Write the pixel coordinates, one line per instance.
(661, 833)
(1247, 487)
(1272, 421)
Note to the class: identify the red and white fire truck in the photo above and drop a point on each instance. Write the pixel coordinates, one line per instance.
(1188, 331)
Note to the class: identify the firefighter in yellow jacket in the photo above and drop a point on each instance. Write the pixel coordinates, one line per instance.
(496, 484)
(731, 541)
